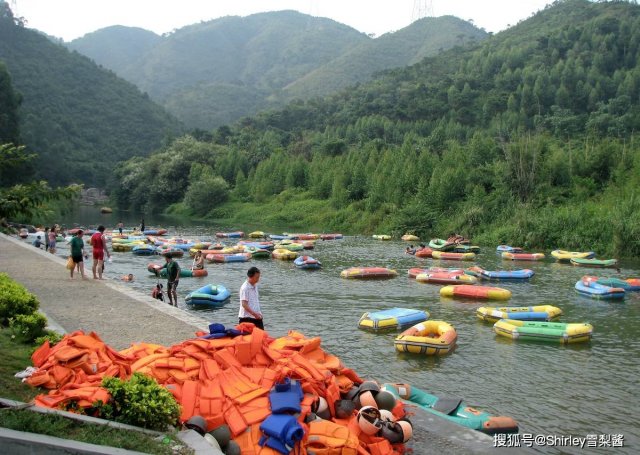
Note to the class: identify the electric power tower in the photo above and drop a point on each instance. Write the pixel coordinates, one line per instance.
(422, 8)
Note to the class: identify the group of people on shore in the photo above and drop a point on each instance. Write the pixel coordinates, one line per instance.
(99, 243)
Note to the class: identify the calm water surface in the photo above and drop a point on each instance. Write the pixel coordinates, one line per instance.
(549, 389)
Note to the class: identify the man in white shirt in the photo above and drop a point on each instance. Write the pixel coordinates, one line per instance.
(250, 299)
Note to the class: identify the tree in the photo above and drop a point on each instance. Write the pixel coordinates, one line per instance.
(10, 101)
(23, 200)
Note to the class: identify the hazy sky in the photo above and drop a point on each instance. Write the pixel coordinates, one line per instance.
(69, 19)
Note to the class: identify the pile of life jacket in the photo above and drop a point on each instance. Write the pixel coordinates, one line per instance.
(235, 377)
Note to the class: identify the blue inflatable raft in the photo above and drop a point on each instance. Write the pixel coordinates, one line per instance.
(599, 291)
(211, 295)
(393, 318)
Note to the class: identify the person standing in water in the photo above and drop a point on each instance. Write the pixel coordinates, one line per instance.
(250, 299)
(173, 278)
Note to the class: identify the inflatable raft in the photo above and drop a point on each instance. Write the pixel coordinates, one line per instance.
(224, 258)
(393, 318)
(368, 273)
(441, 245)
(566, 256)
(600, 263)
(428, 337)
(596, 290)
(256, 234)
(424, 252)
(410, 238)
(284, 254)
(307, 262)
(509, 249)
(475, 292)
(230, 235)
(184, 273)
(522, 313)
(453, 256)
(555, 332)
(629, 285)
(414, 272)
(523, 256)
(446, 278)
(211, 296)
(143, 250)
(381, 236)
(498, 275)
(335, 236)
(462, 248)
(453, 409)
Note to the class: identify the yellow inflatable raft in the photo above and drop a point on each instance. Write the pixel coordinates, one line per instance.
(429, 338)
(410, 238)
(566, 256)
(284, 255)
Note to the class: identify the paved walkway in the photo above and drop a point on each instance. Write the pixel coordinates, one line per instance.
(119, 315)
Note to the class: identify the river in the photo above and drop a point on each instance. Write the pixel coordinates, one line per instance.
(578, 390)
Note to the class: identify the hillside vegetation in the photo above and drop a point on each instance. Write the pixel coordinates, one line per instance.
(78, 118)
(216, 72)
(526, 138)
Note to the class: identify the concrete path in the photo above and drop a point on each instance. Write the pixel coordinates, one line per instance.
(119, 315)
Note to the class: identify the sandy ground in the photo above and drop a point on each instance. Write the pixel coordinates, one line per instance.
(120, 316)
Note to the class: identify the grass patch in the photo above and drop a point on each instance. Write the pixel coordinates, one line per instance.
(61, 427)
(15, 357)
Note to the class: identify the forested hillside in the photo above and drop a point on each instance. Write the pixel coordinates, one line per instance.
(216, 72)
(78, 118)
(527, 138)
(117, 47)
(423, 38)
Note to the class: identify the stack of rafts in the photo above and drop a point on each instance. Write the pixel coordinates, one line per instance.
(273, 395)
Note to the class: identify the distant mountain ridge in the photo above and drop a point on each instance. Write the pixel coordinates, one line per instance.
(77, 117)
(216, 72)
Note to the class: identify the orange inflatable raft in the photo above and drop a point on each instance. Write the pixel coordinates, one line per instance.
(475, 292)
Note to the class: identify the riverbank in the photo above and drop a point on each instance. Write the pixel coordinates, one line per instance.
(119, 315)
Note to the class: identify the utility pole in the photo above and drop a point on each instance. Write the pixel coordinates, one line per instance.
(421, 9)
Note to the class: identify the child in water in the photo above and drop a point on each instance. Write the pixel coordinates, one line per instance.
(128, 277)
(157, 292)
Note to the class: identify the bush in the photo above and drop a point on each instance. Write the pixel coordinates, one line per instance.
(49, 335)
(28, 327)
(14, 300)
(139, 401)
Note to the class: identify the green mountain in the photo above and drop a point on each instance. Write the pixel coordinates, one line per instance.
(117, 47)
(528, 137)
(216, 72)
(79, 118)
(423, 38)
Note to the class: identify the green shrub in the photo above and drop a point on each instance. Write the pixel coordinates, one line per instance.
(139, 401)
(28, 327)
(14, 300)
(49, 335)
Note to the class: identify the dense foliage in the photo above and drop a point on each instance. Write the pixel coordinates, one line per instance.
(216, 72)
(526, 138)
(15, 300)
(78, 118)
(139, 401)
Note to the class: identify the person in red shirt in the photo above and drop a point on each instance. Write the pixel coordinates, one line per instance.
(99, 244)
